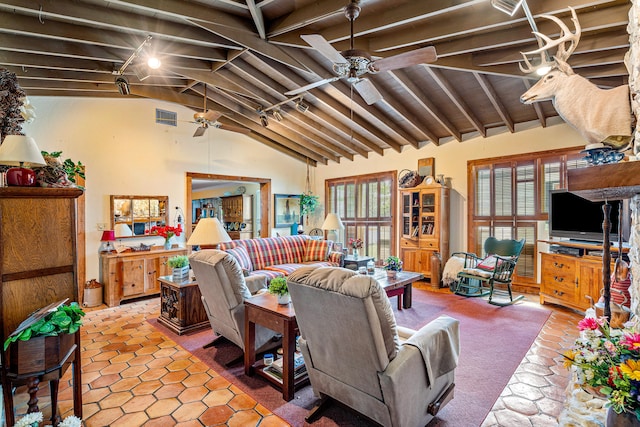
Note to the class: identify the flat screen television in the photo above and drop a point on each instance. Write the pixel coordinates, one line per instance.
(576, 218)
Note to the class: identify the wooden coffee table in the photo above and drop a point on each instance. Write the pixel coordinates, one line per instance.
(264, 310)
(401, 286)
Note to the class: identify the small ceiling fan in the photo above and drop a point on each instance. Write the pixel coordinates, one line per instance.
(209, 118)
(354, 63)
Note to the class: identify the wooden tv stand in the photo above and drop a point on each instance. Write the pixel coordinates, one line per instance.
(568, 280)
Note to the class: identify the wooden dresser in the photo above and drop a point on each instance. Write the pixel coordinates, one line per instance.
(134, 274)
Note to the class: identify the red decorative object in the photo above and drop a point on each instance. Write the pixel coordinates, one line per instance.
(21, 177)
(166, 231)
(108, 236)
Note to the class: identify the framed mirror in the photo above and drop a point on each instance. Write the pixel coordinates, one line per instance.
(133, 216)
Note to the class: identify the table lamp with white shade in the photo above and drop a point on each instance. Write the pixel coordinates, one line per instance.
(332, 223)
(208, 233)
(20, 151)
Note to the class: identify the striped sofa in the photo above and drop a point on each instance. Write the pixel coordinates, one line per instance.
(279, 256)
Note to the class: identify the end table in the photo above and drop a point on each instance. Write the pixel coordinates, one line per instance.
(354, 263)
(181, 308)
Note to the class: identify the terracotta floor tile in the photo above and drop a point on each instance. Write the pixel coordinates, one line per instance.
(133, 376)
(189, 411)
(163, 407)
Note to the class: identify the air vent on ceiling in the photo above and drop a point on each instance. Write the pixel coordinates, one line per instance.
(165, 117)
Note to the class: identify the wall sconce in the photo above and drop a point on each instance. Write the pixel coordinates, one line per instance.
(301, 106)
(21, 151)
(277, 115)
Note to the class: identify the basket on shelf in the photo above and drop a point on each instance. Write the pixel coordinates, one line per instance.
(408, 178)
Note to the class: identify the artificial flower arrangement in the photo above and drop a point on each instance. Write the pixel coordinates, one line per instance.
(393, 263)
(355, 243)
(166, 231)
(35, 418)
(608, 360)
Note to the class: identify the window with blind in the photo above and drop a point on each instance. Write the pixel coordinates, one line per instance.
(509, 198)
(366, 204)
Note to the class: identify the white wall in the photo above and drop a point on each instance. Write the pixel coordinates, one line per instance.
(126, 152)
(451, 160)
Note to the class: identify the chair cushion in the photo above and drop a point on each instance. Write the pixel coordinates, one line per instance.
(490, 263)
(317, 250)
(242, 256)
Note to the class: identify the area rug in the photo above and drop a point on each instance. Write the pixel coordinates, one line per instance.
(493, 342)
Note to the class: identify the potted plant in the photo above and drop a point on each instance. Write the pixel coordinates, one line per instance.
(308, 203)
(392, 264)
(278, 287)
(179, 266)
(44, 339)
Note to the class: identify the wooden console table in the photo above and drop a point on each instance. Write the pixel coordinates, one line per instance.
(181, 308)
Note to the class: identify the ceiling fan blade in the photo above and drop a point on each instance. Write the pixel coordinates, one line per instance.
(418, 56)
(367, 91)
(211, 115)
(320, 44)
(311, 86)
(200, 131)
(233, 128)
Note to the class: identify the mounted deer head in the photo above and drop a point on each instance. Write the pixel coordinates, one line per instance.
(598, 115)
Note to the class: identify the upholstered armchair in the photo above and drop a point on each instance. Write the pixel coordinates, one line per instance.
(355, 353)
(224, 289)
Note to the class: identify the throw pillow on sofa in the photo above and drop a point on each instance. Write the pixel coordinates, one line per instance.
(240, 253)
(317, 250)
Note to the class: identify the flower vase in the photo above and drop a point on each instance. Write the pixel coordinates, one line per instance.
(284, 299)
(625, 419)
(167, 244)
(356, 254)
(391, 274)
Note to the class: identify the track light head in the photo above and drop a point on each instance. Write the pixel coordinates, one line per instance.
(301, 106)
(123, 85)
(277, 115)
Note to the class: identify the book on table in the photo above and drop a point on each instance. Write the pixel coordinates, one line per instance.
(275, 369)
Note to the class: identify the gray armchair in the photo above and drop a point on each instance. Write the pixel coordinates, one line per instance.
(355, 353)
(224, 289)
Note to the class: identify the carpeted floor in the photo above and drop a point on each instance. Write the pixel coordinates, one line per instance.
(493, 342)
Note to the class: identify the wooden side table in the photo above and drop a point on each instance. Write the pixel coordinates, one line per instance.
(264, 310)
(181, 308)
(354, 263)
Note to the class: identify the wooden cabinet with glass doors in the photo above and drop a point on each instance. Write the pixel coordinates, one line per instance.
(424, 227)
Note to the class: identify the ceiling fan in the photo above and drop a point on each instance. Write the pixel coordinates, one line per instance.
(354, 63)
(209, 118)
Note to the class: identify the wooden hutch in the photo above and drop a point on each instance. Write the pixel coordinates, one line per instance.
(424, 227)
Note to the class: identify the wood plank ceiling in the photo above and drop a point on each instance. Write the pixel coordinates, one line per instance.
(250, 53)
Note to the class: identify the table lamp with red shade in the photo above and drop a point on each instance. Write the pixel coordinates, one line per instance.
(21, 151)
(108, 236)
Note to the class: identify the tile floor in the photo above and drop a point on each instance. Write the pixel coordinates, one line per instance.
(132, 375)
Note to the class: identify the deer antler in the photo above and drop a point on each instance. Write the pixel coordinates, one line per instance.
(545, 43)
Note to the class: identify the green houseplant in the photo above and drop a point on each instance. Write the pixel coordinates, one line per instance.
(392, 264)
(66, 319)
(278, 287)
(308, 203)
(179, 266)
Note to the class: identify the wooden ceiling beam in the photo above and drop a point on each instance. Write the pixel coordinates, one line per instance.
(28, 60)
(93, 17)
(417, 94)
(595, 42)
(258, 19)
(337, 109)
(494, 98)
(249, 119)
(214, 79)
(455, 97)
(267, 87)
(306, 15)
(270, 88)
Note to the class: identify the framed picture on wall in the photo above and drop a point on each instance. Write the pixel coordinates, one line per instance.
(286, 210)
